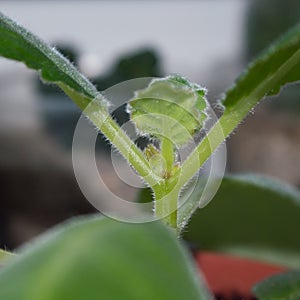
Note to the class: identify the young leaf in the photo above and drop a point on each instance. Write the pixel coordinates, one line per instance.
(169, 107)
(251, 216)
(99, 258)
(284, 286)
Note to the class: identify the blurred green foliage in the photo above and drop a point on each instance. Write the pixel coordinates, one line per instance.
(141, 63)
(99, 258)
(252, 216)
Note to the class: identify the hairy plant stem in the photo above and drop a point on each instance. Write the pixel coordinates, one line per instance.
(167, 152)
(166, 195)
(98, 113)
(128, 149)
(166, 202)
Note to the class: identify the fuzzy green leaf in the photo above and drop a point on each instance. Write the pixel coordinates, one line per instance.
(170, 107)
(19, 44)
(265, 76)
(279, 287)
(278, 66)
(99, 258)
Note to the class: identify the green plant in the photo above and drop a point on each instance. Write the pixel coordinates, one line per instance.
(69, 262)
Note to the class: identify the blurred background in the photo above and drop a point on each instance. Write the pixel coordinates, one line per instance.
(209, 42)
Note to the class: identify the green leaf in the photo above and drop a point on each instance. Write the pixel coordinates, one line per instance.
(251, 216)
(19, 44)
(279, 65)
(169, 107)
(284, 286)
(276, 67)
(99, 258)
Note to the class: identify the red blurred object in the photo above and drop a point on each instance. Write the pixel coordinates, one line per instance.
(230, 276)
